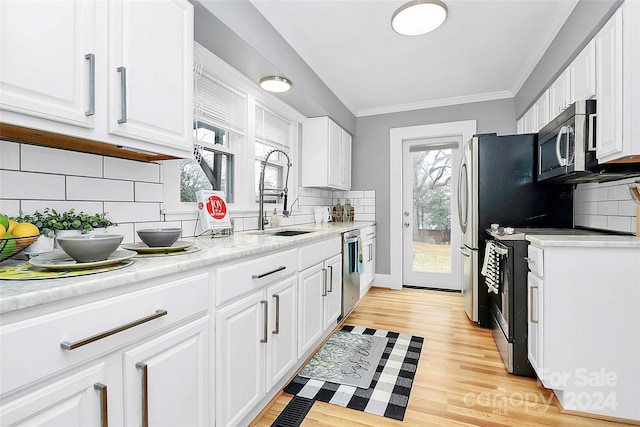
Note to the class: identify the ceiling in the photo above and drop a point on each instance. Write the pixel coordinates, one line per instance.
(485, 50)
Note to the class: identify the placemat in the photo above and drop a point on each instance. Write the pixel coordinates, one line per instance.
(26, 271)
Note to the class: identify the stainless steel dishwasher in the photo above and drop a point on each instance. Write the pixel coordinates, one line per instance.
(350, 277)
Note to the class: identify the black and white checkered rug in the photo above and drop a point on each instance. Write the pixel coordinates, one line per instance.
(388, 395)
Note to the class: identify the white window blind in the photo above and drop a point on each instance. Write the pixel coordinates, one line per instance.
(218, 104)
(272, 129)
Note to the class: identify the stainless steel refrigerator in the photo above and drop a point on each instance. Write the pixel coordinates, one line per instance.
(497, 184)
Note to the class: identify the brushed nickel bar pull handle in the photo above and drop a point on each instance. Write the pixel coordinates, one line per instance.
(531, 305)
(145, 392)
(277, 330)
(66, 345)
(260, 276)
(330, 278)
(92, 84)
(104, 416)
(123, 94)
(265, 332)
(324, 282)
(370, 252)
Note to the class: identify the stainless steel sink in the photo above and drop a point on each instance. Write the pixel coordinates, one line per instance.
(287, 233)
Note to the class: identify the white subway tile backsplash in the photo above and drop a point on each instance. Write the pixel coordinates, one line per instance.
(129, 169)
(367, 217)
(79, 188)
(370, 194)
(30, 206)
(10, 207)
(607, 208)
(9, 155)
(126, 230)
(368, 202)
(133, 211)
(148, 192)
(28, 185)
(619, 223)
(52, 160)
(370, 209)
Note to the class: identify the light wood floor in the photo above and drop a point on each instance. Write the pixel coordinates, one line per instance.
(460, 381)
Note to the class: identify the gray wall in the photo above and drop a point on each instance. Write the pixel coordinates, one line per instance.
(370, 166)
(238, 34)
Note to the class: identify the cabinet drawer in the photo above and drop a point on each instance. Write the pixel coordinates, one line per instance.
(318, 252)
(368, 233)
(33, 349)
(239, 278)
(535, 260)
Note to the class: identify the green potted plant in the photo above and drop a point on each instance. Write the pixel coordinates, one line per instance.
(98, 222)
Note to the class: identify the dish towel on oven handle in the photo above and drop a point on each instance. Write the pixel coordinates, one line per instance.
(491, 266)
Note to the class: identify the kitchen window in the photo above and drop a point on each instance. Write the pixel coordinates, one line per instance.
(272, 132)
(235, 125)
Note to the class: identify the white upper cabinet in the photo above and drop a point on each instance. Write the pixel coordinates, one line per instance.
(542, 111)
(48, 51)
(559, 95)
(117, 71)
(326, 155)
(582, 75)
(609, 88)
(150, 71)
(529, 120)
(630, 81)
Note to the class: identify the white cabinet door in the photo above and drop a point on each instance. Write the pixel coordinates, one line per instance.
(559, 95)
(282, 346)
(346, 160)
(79, 399)
(542, 111)
(326, 154)
(150, 71)
(335, 168)
(45, 63)
(333, 294)
(166, 379)
(582, 80)
(535, 324)
(369, 249)
(240, 332)
(529, 120)
(609, 88)
(310, 296)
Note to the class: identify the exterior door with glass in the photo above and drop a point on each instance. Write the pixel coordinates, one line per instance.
(431, 234)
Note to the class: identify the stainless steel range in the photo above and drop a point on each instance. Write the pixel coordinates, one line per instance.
(505, 270)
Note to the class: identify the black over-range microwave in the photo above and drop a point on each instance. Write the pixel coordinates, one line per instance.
(567, 149)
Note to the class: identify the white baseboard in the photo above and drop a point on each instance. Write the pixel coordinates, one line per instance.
(382, 280)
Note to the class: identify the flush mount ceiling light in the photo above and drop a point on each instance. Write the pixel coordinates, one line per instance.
(418, 17)
(275, 84)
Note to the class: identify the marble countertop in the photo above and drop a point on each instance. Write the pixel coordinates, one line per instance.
(21, 294)
(591, 240)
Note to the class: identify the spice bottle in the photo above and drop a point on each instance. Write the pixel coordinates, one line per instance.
(347, 211)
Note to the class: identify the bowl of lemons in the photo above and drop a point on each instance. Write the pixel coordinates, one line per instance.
(15, 236)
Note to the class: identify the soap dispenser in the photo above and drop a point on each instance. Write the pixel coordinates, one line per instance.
(275, 221)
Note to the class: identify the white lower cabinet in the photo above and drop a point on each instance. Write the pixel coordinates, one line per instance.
(167, 377)
(583, 325)
(255, 347)
(369, 254)
(76, 366)
(73, 400)
(535, 326)
(320, 301)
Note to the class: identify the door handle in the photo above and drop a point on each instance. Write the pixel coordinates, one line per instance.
(104, 419)
(145, 392)
(277, 329)
(92, 84)
(265, 333)
(123, 94)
